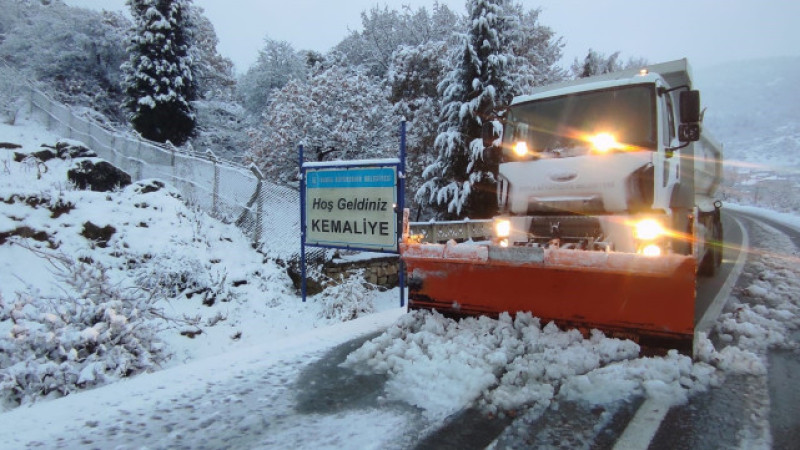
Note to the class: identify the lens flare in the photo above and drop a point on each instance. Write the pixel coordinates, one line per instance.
(649, 229)
(502, 228)
(604, 142)
(521, 148)
(651, 250)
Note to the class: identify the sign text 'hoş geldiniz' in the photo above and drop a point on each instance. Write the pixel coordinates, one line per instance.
(352, 207)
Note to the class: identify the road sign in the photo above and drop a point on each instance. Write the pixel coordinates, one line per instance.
(352, 207)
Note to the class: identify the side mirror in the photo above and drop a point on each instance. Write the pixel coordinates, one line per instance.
(487, 134)
(689, 129)
(690, 106)
(689, 132)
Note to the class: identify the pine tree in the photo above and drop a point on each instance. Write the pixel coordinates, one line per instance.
(538, 51)
(159, 83)
(461, 182)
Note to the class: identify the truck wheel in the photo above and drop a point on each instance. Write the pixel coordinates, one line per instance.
(718, 242)
(713, 257)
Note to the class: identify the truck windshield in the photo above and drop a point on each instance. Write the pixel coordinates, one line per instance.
(568, 125)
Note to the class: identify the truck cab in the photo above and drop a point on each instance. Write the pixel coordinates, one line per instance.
(616, 163)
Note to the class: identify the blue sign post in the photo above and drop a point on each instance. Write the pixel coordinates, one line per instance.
(353, 205)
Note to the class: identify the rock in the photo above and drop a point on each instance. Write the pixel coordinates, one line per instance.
(100, 236)
(27, 233)
(74, 149)
(99, 177)
(313, 286)
(148, 186)
(44, 155)
(9, 145)
(153, 185)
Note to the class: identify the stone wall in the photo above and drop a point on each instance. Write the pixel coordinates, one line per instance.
(381, 271)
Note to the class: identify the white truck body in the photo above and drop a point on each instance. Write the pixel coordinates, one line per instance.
(600, 193)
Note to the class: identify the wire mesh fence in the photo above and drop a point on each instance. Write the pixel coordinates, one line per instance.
(266, 212)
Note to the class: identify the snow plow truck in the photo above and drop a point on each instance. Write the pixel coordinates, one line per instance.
(606, 212)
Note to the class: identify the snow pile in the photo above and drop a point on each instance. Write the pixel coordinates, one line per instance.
(765, 313)
(441, 365)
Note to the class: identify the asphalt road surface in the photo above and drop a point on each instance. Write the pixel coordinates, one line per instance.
(724, 417)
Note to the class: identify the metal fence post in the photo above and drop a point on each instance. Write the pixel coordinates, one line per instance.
(259, 206)
(215, 188)
(70, 132)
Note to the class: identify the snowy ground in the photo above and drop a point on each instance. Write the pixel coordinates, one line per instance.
(243, 399)
(237, 385)
(208, 292)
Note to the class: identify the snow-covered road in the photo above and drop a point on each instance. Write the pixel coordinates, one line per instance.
(293, 393)
(245, 399)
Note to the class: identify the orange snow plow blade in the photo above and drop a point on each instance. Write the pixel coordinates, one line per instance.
(649, 300)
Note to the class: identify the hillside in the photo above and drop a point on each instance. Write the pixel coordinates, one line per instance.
(753, 110)
(98, 286)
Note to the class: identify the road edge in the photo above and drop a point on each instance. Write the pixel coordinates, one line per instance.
(645, 423)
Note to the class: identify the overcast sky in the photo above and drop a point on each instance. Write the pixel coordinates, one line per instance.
(708, 32)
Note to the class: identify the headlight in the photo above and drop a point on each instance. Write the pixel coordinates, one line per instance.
(604, 142)
(651, 250)
(502, 228)
(648, 230)
(520, 148)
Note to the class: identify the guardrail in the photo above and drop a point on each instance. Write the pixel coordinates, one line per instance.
(461, 230)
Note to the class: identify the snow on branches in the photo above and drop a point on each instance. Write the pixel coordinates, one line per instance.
(339, 111)
(158, 75)
(95, 332)
(461, 182)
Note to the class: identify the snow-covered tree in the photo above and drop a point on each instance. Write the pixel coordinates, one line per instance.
(596, 63)
(413, 75)
(461, 182)
(212, 73)
(537, 51)
(74, 53)
(159, 83)
(277, 63)
(339, 113)
(220, 119)
(385, 30)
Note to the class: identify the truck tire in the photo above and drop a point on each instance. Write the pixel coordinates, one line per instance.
(681, 221)
(713, 257)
